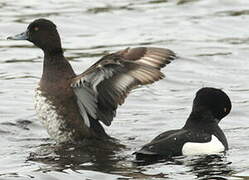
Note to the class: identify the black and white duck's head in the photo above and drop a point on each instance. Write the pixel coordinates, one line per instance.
(214, 100)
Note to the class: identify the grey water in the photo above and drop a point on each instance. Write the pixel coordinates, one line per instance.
(211, 38)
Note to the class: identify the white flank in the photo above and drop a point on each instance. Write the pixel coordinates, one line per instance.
(50, 119)
(212, 147)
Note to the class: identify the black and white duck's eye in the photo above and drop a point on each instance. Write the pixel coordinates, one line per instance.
(36, 29)
(225, 109)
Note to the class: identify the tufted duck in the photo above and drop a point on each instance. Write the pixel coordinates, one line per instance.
(71, 106)
(200, 135)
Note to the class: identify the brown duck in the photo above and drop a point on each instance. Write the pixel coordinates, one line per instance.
(71, 106)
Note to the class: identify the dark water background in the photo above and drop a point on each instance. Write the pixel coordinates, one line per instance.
(211, 36)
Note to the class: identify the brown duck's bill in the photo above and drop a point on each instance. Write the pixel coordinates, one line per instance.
(22, 36)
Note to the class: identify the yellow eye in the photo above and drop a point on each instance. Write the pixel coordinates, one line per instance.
(225, 109)
(36, 29)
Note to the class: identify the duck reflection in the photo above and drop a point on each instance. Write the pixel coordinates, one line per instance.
(109, 157)
(209, 166)
(94, 155)
(202, 166)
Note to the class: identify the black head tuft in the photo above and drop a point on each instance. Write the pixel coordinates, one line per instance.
(214, 100)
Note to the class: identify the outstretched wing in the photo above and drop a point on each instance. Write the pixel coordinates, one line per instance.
(105, 85)
(155, 57)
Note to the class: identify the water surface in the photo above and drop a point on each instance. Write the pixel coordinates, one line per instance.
(212, 39)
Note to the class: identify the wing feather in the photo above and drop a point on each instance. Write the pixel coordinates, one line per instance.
(155, 57)
(106, 84)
